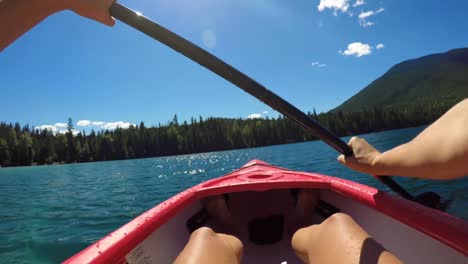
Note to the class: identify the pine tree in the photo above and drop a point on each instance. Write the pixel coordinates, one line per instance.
(72, 155)
(4, 153)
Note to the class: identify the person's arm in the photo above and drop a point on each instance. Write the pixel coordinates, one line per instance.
(19, 16)
(439, 152)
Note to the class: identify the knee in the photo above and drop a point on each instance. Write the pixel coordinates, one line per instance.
(202, 233)
(210, 241)
(341, 221)
(234, 242)
(304, 237)
(338, 218)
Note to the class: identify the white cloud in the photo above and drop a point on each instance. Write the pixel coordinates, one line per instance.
(254, 116)
(265, 112)
(118, 124)
(83, 123)
(97, 123)
(380, 46)
(74, 132)
(60, 125)
(55, 129)
(318, 64)
(359, 3)
(366, 23)
(335, 5)
(51, 128)
(363, 16)
(357, 49)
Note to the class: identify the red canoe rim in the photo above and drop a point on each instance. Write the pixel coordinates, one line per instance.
(258, 176)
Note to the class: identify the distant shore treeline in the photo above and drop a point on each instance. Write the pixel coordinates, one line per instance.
(24, 145)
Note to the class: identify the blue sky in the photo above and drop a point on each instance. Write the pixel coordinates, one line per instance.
(303, 50)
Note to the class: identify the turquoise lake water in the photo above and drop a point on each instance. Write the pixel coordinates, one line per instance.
(48, 213)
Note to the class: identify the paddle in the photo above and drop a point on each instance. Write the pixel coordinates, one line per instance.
(247, 84)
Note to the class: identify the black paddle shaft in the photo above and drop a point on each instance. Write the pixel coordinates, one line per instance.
(241, 80)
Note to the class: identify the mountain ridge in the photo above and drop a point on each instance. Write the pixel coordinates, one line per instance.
(425, 80)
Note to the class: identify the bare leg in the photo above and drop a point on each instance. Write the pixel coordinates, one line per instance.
(208, 247)
(307, 200)
(218, 209)
(339, 240)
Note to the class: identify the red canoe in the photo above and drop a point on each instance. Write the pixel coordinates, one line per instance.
(264, 205)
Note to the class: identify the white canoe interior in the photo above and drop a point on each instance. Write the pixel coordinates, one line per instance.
(265, 222)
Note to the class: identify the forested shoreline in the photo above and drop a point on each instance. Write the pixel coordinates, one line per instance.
(25, 145)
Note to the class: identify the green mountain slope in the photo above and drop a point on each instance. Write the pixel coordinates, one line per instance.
(432, 79)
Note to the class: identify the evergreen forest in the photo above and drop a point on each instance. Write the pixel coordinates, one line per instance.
(25, 145)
